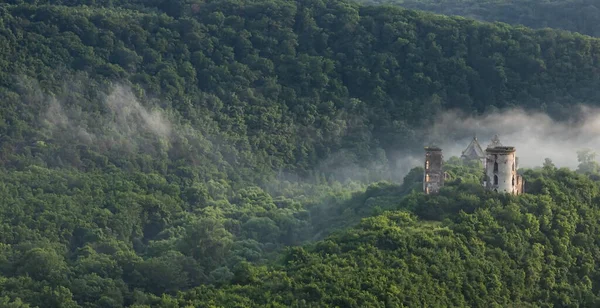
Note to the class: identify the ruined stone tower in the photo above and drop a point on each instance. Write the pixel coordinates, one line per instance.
(501, 169)
(433, 177)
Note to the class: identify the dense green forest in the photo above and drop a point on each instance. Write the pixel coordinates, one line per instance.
(463, 248)
(241, 89)
(581, 16)
(240, 153)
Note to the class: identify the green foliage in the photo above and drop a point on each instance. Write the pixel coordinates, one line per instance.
(489, 250)
(239, 102)
(587, 162)
(215, 153)
(573, 15)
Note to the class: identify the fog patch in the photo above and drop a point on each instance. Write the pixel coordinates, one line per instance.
(129, 117)
(534, 134)
(120, 123)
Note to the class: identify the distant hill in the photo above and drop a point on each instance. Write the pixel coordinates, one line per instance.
(271, 85)
(581, 16)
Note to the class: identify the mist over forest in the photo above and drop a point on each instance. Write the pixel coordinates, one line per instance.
(227, 153)
(535, 134)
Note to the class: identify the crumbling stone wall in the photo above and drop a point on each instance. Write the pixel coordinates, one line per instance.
(433, 177)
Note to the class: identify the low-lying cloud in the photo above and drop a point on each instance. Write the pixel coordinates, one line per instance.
(130, 117)
(534, 134)
(122, 124)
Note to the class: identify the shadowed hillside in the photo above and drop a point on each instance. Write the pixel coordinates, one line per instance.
(581, 16)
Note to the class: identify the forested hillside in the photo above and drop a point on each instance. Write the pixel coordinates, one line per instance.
(462, 248)
(266, 85)
(581, 16)
(151, 148)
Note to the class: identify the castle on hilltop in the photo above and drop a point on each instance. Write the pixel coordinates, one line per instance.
(500, 167)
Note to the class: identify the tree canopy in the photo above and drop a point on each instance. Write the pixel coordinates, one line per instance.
(581, 16)
(244, 153)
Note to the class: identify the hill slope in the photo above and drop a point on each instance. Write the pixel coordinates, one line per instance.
(145, 153)
(535, 250)
(581, 16)
(271, 85)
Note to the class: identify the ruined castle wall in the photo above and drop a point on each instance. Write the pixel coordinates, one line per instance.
(520, 185)
(433, 176)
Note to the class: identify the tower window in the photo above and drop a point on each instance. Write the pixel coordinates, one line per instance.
(427, 165)
(513, 181)
(495, 166)
(427, 178)
(495, 180)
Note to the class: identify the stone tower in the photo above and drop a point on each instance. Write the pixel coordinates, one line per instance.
(433, 177)
(501, 169)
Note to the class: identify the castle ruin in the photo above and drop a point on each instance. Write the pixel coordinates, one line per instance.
(433, 177)
(500, 167)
